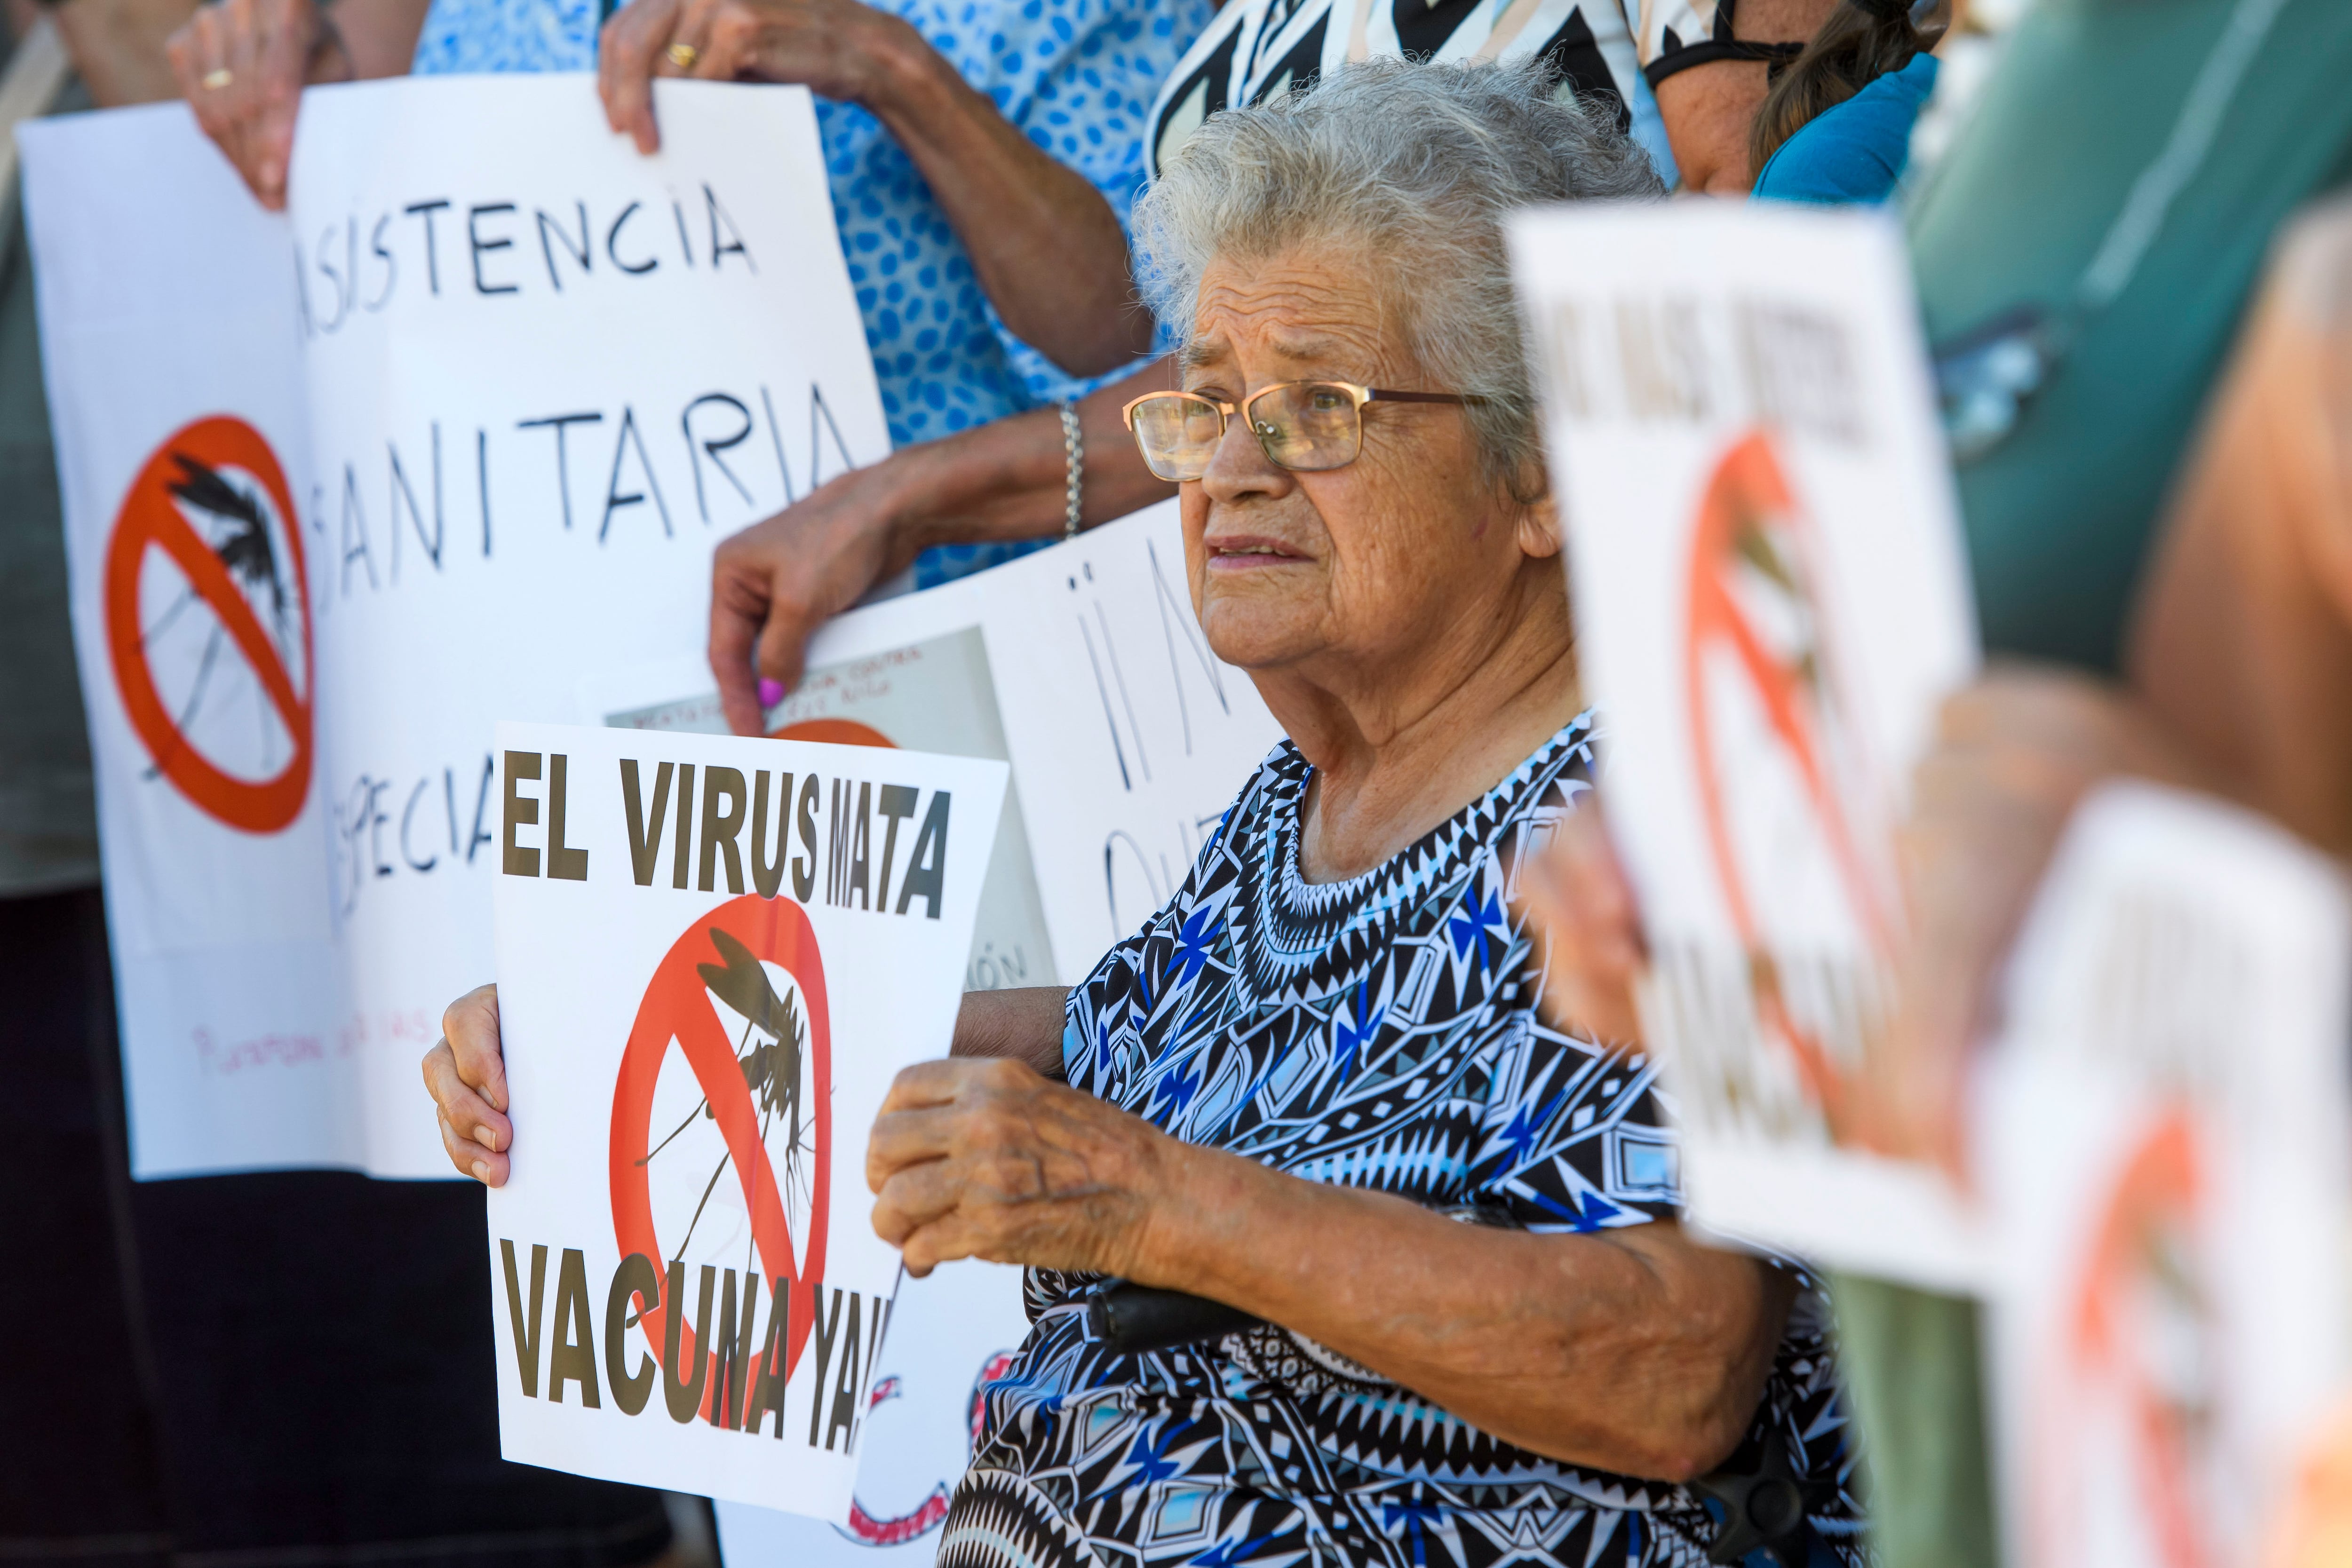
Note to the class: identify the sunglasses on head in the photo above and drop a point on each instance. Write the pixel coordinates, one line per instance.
(1307, 427)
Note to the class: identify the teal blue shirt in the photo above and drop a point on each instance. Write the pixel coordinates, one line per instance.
(1855, 151)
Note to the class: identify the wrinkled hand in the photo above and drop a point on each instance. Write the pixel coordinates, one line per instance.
(986, 1159)
(773, 584)
(2013, 757)
(271, 49)
(839, 49)
(1576, 892)
(466, 1073)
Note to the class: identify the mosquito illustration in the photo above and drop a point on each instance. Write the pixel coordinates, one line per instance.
(770, 1057)
(243, 545)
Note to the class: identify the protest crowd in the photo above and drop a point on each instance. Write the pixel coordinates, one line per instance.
(1255, 255)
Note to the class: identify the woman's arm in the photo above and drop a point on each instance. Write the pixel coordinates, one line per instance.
(1636, 1350)
(1024, 1025)
(1047, 248)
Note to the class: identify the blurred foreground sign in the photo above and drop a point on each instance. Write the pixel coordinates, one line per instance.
(342, 489)
(1771, 599)
(713, 955)
(2163, 1143)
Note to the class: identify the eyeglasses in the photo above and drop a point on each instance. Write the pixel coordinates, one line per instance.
(1307, 427)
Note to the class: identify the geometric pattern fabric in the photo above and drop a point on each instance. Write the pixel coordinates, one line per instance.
(1384, 1033)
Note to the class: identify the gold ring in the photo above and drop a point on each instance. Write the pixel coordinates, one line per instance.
(218, 79)
(683, 56)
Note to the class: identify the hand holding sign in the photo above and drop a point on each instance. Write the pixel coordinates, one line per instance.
(987, 1159)
(467, 1076)
(839, 49)
(242, 65)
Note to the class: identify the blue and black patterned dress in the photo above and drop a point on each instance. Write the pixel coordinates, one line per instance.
(1380, 1033)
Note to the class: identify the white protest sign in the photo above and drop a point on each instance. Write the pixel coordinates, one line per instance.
(515, 380)
(173, 359)
(1127, 736)
(2165, 1147)
(1771, 599)
(713, 956)
(547, 375)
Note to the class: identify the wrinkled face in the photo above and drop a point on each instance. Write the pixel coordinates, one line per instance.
(1364, 563)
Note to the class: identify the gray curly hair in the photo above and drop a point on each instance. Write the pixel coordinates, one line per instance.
(1412, 164)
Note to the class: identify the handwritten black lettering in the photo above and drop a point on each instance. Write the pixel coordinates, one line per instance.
(615, 499)
(733, 244)
(479, 245)
(407, 814)
(697, 449)
(432, 251)
(354, 525)
(401, 491)
(558, 423)
(583, 253)
(391, 267)
(613, 241)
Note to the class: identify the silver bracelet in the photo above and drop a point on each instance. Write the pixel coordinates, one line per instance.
(1074, 449)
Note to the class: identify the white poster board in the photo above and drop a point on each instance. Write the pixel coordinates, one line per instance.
(713, 956)
(470, 419)
(168, 339)
(1771, 599)
(2165, 1144)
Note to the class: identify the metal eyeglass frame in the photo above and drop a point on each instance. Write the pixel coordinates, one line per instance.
(1225, 412)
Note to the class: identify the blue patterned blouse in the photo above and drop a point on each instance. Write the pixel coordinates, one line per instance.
(1077, 76)
(1380, 1032)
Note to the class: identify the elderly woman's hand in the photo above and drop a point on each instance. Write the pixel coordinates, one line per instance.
(987, 1159)
(242, 65)
(840, 49)
(466, 1073)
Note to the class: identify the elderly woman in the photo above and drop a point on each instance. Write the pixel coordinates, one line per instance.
(1283, 1091)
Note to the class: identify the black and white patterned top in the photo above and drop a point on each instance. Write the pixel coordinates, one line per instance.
(1380, 1033)
(1255, 50)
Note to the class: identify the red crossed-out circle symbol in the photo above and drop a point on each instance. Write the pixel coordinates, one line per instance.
(188, 466)
(677, 1007)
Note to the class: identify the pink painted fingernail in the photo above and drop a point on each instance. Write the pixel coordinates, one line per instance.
(770, 692)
